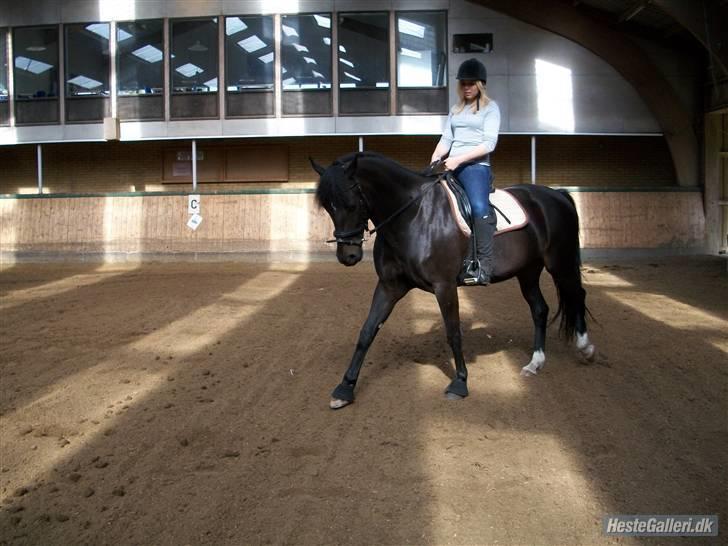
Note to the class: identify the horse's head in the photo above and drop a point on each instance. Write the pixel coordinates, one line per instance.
(339, 194)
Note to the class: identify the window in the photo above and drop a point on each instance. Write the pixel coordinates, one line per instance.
(36, 62)
(87, 60)
(249, 52)
(421, 49)
(472, 43)
(421, 62)
(87, 72)
(140, 58)
(306, 51)
(35, 74)
(249, 66)
(363, 57)
(194, 56)
(3, 66)
(194, 68)
(363, 50)
(4, 106)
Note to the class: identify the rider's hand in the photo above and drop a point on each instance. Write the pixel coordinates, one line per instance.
(452, 163)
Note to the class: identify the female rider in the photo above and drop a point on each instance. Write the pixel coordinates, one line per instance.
(470, 135)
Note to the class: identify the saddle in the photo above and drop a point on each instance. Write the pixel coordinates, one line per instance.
(509, 212)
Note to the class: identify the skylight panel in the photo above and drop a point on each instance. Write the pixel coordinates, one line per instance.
(233, 25)
(411, 28)
(85, 82)
(188, 70)
(149, 53)
(252, 43)
(30, 65)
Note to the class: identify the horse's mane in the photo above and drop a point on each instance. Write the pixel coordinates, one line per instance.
(329, 191)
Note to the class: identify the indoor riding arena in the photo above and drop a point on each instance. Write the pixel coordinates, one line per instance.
(174, 321)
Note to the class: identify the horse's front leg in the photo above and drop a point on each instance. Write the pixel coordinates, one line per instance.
(447, 299)
(384, 299)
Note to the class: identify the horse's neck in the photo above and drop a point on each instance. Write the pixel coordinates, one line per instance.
(387, 187)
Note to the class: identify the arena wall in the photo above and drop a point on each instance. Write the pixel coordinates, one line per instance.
(286, 224)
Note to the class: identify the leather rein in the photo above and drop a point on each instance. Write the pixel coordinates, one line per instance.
(355, 237)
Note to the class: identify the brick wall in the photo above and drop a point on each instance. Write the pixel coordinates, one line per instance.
(137, 166)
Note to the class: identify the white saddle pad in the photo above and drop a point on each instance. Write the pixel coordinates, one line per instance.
(509, 211)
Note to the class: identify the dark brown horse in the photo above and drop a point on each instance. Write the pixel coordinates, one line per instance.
(419, 245)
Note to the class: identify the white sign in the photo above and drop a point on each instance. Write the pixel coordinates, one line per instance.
(194, 222)
(193, 204)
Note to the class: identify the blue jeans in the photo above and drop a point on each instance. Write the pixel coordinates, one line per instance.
(476, 179)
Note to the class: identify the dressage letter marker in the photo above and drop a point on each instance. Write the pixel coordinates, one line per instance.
(193, 204)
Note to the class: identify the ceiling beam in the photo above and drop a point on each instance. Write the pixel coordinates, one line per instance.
(706, 21)
(617, 49)
(632, 11)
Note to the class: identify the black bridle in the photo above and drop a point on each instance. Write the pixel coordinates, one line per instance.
(347, 237)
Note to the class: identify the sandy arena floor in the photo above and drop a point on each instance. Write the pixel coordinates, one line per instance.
(188, 404)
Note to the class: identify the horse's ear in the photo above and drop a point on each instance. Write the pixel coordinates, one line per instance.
(316, 167)
(351, 167)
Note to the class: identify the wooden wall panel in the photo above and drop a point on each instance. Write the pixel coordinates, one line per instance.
(293, 223)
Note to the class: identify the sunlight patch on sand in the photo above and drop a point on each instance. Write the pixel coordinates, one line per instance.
(594, 276)
(81, 406)
(669, 311)
(55, 288)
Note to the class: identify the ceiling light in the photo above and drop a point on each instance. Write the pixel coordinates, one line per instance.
(267, 58)
(197, 47)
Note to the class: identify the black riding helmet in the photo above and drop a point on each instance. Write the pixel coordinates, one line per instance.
(472, 69)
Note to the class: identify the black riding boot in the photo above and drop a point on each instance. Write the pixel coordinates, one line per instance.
(480, 271)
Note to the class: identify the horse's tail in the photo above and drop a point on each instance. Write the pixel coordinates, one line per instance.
(567, 278)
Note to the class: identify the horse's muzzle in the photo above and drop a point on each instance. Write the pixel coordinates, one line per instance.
(348, 254)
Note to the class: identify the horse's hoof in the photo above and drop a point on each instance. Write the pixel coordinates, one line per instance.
(338, 404)
(527, 371)
(589, 353)
(453, 396)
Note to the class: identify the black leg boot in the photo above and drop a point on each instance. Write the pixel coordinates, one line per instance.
(484, 229)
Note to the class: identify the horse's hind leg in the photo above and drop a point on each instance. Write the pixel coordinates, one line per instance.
(583, 345)
(384, 299)
(573, 304)
(447, 299)
(539, 312)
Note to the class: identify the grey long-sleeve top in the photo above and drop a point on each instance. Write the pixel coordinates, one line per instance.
(467, 129)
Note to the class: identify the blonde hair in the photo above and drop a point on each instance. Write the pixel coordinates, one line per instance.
(481, 102)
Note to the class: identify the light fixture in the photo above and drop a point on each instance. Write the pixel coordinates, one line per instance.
(197, 47)
(36, 48)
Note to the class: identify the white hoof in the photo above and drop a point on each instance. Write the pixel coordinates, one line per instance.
(588, 352)
(338, 404)
(537, 361)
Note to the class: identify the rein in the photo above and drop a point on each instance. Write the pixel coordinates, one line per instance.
(345, 237)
